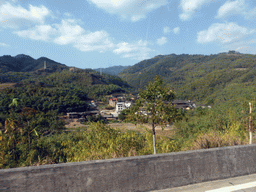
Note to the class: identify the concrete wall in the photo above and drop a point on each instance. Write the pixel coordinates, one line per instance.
(142, 173)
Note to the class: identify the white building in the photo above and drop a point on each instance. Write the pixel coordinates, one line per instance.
(128, 104)
(120, 106)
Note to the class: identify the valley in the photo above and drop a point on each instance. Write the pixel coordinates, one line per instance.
(210, 107)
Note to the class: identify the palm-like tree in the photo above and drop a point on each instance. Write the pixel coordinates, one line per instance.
(14, 102)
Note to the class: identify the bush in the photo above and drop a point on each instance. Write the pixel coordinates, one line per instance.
(214, 139)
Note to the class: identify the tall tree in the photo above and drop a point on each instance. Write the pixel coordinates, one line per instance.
(155, 107)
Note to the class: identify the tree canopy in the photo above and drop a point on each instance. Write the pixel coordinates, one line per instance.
(155, 107)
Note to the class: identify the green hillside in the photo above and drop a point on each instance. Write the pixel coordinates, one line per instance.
(15, 69)
(196, 77)
(25, 63)
(58, 87)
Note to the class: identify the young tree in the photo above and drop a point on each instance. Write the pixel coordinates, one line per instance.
(155, 107)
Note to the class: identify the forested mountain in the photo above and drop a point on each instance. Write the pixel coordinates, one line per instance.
(25, 63)
(15, 69)
(112, 70)
(197, 77)
(31, 132)
(58, 87)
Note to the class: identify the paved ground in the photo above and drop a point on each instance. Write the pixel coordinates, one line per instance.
(235, 184)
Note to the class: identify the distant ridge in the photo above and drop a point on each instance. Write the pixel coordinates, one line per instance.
(114, 70)
(196, 77)
(25, 63)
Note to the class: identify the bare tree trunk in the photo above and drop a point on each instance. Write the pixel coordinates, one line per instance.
(154, 137)
(250, 123)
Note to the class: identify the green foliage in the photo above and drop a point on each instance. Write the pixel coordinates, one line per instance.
(155, 101)
(121, 116)
(226, 120)
(151, 107)
(63, 99)
(64, 91)
(98, 142)
(102, 142)
(195, 77)
(21, 133)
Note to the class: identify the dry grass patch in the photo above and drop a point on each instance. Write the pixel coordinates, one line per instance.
(6, 85)
(168, 131)
(213, 139)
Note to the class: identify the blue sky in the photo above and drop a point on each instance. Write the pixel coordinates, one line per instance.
(104, 33)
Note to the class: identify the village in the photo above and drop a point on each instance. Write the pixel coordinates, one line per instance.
(115, 105)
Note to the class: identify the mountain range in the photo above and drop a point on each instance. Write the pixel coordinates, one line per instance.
(201, 78)
(25, 63)
(114, 70)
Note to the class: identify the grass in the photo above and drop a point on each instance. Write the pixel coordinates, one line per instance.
(6, 85)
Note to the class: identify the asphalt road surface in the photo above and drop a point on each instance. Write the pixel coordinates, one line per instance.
(235, 184)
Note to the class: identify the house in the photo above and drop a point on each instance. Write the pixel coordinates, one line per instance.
(204, 106)
(92, 105)
(183, 104)
(112, 102)
(120, 106)
(109, 117)
(127, 104)
(75, 115)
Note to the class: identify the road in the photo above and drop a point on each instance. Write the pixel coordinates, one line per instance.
(235, 184)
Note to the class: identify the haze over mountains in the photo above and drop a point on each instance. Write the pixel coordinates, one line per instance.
(113, 70)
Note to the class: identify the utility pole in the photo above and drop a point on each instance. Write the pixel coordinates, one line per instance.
(250, 123)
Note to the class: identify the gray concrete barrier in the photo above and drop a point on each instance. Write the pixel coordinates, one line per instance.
(141, 173)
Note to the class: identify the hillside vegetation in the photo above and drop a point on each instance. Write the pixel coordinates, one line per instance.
(196, 77)
(31, 103)
(225, 81)
(31, 132)
(25, 63)
(20, 67)
(61, 91)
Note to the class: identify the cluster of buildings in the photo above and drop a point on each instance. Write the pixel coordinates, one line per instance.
(118, 103)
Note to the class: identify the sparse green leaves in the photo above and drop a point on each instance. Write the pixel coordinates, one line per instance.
(155, 105)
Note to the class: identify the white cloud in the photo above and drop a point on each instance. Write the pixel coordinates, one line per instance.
(129, 9)
(223, 33)
(230, 8)
(68, 32)
(98, 40)
(41, 32)
(246, 49)
(138, 50)
(162, 41)
(237, 7)
(67, 14)
(4, 45)
(242, 46)
(167, 30)
(189, 7)
(176, 30)
(17, 16)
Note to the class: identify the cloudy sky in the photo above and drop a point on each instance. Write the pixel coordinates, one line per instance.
(104, 33)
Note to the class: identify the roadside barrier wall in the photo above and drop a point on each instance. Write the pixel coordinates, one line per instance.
(140, 173)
